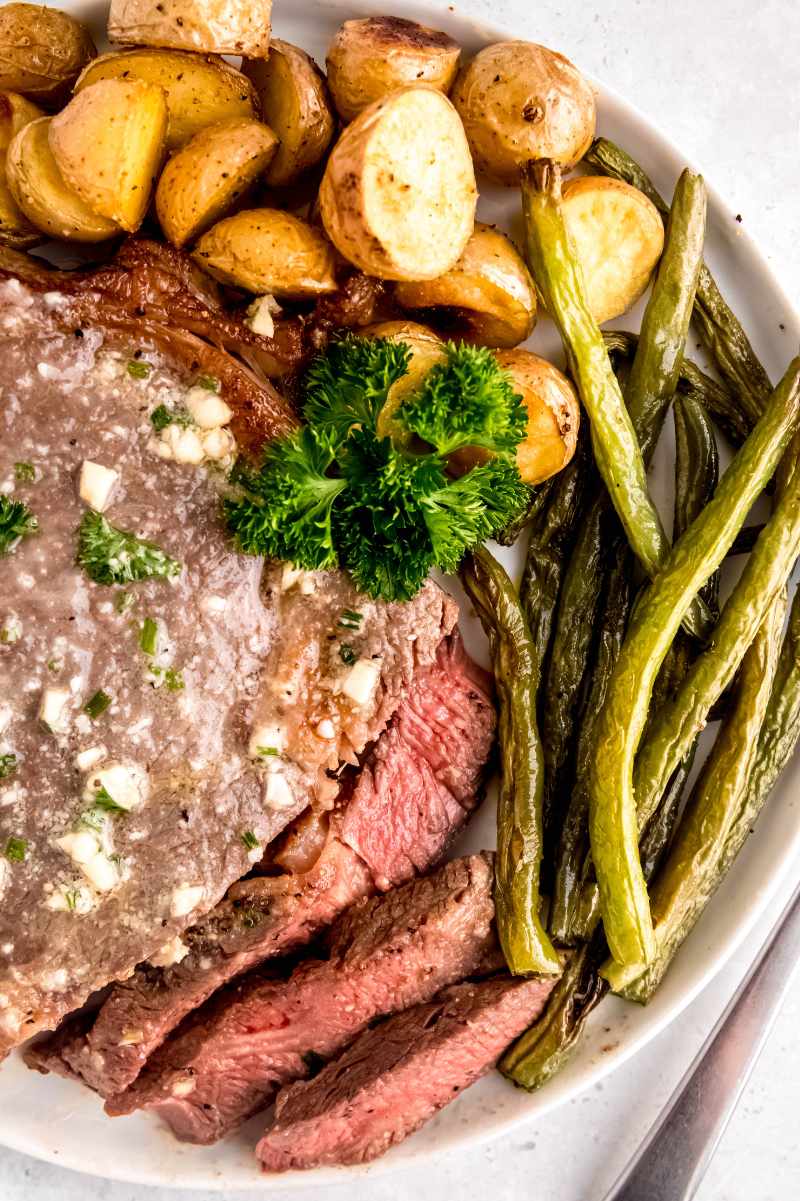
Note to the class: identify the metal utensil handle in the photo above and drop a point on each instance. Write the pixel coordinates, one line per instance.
(673, 1159)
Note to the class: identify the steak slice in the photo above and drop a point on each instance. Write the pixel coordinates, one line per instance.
(266, 916)
(387, 952)
(398, 1074)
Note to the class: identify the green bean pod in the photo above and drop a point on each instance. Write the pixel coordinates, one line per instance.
(656, 365)
(720, 329)
(614, 823)
(696, 463)
(519, 816)
(691, 874)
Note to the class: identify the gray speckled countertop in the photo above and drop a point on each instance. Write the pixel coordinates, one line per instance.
(720, 79)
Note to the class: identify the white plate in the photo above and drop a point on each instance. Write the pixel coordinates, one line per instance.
(62, 1122)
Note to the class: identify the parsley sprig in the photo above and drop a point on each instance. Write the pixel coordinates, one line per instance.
(16, 523)
(112, 556)
(341, 493)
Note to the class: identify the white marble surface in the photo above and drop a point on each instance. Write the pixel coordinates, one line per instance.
(720, 78)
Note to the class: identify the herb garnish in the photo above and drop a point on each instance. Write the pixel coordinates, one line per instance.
(173, 679)
(350, 620)
(250, 841)
(148, 636)
(97, 704)
(208, 382)
(112, 556)
(105, 801)
(267, 751)
(72, 896)
(161, 417)
(123, 601)
(347, 655)
(342, 492)
(16, 850)
(16, 523)
(24, 473)
(8, 765)
(139, 369)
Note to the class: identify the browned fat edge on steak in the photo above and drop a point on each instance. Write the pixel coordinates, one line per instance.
(387, 953)
(398, 1074)
(409, 789)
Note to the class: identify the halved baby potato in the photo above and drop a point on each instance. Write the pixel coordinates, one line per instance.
(39, 189)
(109, 143)
(427, 349)
(42, 51)
(618, 234)
(488, 295)
(294, 103)
(15, 229)
(398, 195)
(372, 56)
(553, 418)
(268, 251)
(220, 26)
(206, 177)
(200, 89)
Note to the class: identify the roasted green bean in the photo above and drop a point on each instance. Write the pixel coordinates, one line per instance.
(719, 327)
(691, 873)
(696, 556)
(519, 817)
(696, 462)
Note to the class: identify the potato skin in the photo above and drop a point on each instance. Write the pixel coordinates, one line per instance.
(372, 56)
(108, 143)
(427, 349)
(215, 26)
(266, 250)
(39, 189)
(489, 292)
(200, 89)
(295, 104)
(398, 195)
(618, 234)
(15, 229)
(520, 101)
(206, 177)
(42, 52)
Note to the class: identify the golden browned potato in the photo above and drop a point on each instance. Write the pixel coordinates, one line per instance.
(41, 193)
(553, 418)
(268, 251)
(373, 56)
(42, 52)
(488, 295)
(398, 194)
(109, 143)
(200, 89)
(520, 101)
(426, 348)
(15, 229)
(294, 103)
(215, 26)
(618, 234)
(209, 174)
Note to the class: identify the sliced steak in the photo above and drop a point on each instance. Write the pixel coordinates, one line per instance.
(386, 953)
(398, 1074)
(267, 916)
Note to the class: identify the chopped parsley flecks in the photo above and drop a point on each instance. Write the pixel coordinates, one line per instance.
(266, 752)
(123, 601)
(54, 665)
(161, 417)
(16, 523)
(172, 680)
(208, 382)
(148, 636)
(347, 655)
(139, 369)
(8, 765)
(16, 850)
(72, 896)
(104, 800)
(250, 841)
(112, 556)
(97, 704)
(24, 473)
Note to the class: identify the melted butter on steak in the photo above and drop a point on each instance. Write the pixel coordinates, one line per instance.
(245, 655)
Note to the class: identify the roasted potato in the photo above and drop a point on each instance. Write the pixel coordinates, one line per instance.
(209, 174)
(268, 251)
(294, 103)
(109, 143)
(212, 26)
(398, 194)
(200, 90)
(553, 418)
(15, 229)
(426, 348)
(488, 295)
(41, 193)
(373, 56)
(42, 52)
(619, 236)
(520, 101)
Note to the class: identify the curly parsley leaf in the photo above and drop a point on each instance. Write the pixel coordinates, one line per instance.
(112, 556)
(348, 386)
(16, 523)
